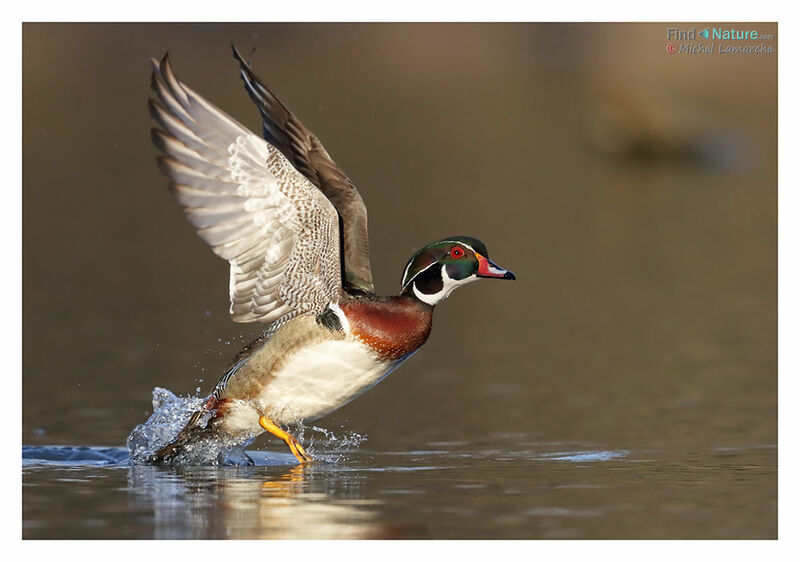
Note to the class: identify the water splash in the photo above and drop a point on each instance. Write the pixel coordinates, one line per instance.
(170, 415)
(172, 412)
(329, 447)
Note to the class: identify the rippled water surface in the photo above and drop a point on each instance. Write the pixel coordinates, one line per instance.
(625, 385)
(444, 490)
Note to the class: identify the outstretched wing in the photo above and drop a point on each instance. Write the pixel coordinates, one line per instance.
(303, 149)
(279, 232)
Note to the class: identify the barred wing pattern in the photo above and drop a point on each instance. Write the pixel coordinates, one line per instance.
(277, 230)
(303, 149)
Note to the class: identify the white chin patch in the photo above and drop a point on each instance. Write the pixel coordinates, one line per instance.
(448, 285)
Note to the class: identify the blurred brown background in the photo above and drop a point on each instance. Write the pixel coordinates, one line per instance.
(633, 192)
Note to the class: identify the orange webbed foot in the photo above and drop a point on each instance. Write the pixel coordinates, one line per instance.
(294, 445)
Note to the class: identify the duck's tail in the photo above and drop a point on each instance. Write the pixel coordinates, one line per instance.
(194, 431)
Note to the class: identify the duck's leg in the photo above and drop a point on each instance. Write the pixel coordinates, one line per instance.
(294, 445)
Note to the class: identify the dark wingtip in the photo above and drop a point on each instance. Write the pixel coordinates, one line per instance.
(238, 56)
(164, 65)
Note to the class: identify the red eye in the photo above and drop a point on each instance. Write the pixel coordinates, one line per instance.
(457, 252)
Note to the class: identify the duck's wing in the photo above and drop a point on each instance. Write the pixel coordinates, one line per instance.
(303, 149)
(279, 232)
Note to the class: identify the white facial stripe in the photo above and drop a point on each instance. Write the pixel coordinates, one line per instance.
(448, 284)
(428, 299)
(417, 274)
(405, 272)
(461, 243)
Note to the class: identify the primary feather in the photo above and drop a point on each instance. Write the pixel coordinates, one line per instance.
(303, 149)
(246, 200)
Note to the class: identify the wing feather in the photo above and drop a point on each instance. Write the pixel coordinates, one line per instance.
(277, 230)
(303, 149)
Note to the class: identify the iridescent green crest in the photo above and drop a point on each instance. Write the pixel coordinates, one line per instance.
(440, 252)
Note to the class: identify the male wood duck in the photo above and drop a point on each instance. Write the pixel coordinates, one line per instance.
(294, 229)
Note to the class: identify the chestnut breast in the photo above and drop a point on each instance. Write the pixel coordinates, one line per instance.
(393, 327)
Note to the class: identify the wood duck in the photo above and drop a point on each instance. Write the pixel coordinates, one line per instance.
(294, 229)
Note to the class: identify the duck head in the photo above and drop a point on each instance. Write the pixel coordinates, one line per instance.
(438, 268)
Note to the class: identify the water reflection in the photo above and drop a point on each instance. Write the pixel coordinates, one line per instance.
(277, 499)
(644, 319)
(456, 490)
(255, 503)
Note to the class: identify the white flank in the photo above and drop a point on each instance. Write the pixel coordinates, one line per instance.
(322, 378)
